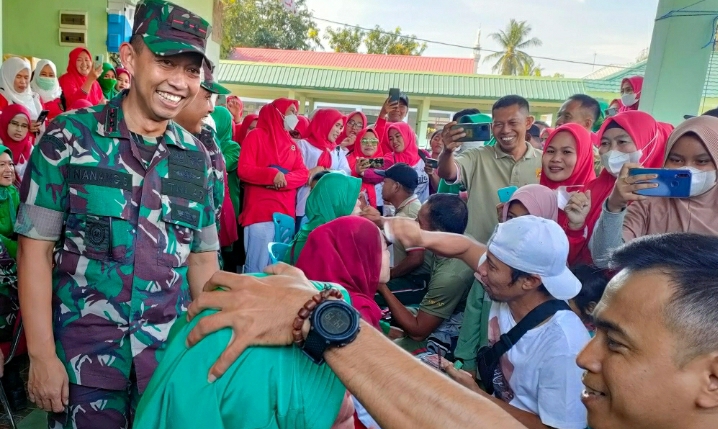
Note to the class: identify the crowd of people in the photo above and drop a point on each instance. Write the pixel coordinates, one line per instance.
(537, 268)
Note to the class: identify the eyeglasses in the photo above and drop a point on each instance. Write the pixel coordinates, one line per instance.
(19, 125)
(354, 124)
(370, 142)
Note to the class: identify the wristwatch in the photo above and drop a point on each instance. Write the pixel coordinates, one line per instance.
(334, 323)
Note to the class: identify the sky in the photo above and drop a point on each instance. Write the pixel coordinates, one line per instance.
(611, 31)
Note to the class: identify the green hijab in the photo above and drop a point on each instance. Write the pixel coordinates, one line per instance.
(9, 203)
(334, 196)
(267, 387)
(108, 85)
(230, 150)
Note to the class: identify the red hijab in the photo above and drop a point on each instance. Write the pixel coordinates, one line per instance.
(318, 134)
(410, 155)
(244, 128)
(344, 134)
(352, 161)
(650, 137)
(275, 140)
(637, 85)
(72, 81)
(583, 171)
(347, 251)
(302, 126)
(120, 71)
(20, 150)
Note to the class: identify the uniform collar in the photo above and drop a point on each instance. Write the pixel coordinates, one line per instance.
(113, 125)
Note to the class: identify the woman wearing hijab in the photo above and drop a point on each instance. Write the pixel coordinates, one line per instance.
(108, 81)
(124, 80)
(567, 159)
(367, 147)
(15, 89)
(248, 124)
(693, 146)
(632, 136)
(320, 150)
(631, 93)
(15, 135)
(404, 149)
(302, 128)
(356, 122)
(272, 169)
(44, 83)
(266, 387)
(230, 151)
(535, 200)
(80, 80)
(334, 196)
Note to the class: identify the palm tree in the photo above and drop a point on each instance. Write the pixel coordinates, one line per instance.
(511, 60)
(531, 69)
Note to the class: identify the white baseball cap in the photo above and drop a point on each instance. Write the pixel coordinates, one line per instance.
(536, 246)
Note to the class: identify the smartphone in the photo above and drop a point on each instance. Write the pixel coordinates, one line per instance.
(394, 95)
(671, 183)
(506, 193)
(431, 162)
(475, 132)
(99, 60)
(43, 115)
(376, 162)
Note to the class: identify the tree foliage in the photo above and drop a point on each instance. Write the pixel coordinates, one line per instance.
(513, 40)
(345, 39)
(267, 24)
(378, 41)
(529, 68)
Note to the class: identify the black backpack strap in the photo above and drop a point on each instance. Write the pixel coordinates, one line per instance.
(532, 320)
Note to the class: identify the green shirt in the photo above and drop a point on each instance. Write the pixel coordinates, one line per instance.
(450, 282)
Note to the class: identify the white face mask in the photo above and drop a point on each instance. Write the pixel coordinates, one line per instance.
(702, 181)
(629, 99)
(290, 122)
(613, 160)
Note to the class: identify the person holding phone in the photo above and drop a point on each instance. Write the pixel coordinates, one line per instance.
(693, 146)
(44, 82)
(359, 161)
(395, 109)
(80, 80)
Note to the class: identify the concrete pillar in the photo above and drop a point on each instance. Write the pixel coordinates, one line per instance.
(423, 121)
(678, 60)
(302, 103)
(310, 106)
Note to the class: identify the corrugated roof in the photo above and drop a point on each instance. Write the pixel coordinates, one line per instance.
(604, 72)
(356, 61)
(413, 83)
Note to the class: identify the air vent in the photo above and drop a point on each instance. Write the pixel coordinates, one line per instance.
(77, 20)
(72, 38)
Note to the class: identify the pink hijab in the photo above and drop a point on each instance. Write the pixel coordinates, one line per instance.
(538, 199)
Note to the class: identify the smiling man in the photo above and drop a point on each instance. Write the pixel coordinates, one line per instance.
(117, 230)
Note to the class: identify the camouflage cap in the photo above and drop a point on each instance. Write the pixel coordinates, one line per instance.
(168, 29)
(208, 82)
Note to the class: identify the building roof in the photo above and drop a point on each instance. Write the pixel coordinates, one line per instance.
(356, 61)
(604, 72)
(413, 83)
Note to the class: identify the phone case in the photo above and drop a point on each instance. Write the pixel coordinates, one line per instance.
(505, 194)
(475, 132)
(671, 183)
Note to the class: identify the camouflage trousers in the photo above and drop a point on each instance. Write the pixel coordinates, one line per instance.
(93, 408)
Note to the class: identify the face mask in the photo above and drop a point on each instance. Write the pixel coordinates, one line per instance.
(613, 160)
(290, 122)
(107, 84)
(629, 99)
(46, 83)
(701, 181)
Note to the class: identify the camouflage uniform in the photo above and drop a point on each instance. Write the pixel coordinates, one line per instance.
(217, 167)
(124, 231)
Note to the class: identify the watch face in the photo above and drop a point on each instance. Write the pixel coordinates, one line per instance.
(335, 320)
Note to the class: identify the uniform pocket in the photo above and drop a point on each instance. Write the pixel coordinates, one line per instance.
(180, 223)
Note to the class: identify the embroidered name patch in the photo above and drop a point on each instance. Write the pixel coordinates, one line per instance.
(185, 158)
(189, 175)
(179, 189)
(79, 175)
(185, 214)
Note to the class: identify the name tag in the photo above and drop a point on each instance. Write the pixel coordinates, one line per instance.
(179, 189)
(185, 214)
(189, 175)
(185, 158)
(79, 175)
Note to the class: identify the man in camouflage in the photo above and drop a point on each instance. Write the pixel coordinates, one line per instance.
(117, 230)
(191, 119)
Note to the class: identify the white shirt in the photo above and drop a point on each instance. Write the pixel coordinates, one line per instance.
(422, 191)
(540, 374)
(311, 156)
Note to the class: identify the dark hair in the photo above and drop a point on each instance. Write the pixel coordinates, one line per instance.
(712, 112)
(589, 103)
(593, 284)
(137, 42)
(448, 213)
(466, 112)
(691, 263)
(511, 100)
(542, 123)
(319, 175)
(517, 275)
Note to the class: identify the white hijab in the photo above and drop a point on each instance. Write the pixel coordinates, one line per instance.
(55, 92)
(9, 69)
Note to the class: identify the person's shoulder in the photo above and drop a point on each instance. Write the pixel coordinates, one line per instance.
(567, 332)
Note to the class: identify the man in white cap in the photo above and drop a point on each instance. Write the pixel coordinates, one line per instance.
(522, 268)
